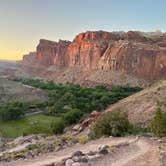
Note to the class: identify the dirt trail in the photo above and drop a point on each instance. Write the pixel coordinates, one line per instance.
(141, 153)
(139, 148)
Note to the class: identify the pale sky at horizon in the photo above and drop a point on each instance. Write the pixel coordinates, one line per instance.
(24, 22)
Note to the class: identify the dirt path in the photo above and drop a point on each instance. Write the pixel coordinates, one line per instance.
(139, 148)
(148, 158)
(140, 153)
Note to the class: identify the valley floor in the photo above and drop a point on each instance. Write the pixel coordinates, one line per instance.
(140, 152)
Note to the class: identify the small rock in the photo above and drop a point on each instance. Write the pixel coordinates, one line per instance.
(91, 153)
(77, 153)
(69, 162)
(104, 149)
(160, 141)
(84, 159)
(163, 153)
(77, 127)
(76, 158)
(92, 158)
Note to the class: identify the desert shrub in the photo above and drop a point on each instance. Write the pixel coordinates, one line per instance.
(72, 116)
(75, 140)
(112, 123)
(83, 139)
(136, 129)
(91, 135)
(158, 123)
(58, 126)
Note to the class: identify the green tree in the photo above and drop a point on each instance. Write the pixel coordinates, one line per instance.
(13, 110)
(72, 116)
(112, 123)
(58, 126)
(158, 124)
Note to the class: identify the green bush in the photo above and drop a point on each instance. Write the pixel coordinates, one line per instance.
(158, 124)
(112, 123)
(13, 110)
(58, 126)
(138, 129)
(72, 116)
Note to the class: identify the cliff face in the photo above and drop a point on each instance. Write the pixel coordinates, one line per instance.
(141, 54)
(143, 60)
(29, 58)
(52, 53)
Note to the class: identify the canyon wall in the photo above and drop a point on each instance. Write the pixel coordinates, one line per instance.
(30, 58)
(137, 53)
(52, 53)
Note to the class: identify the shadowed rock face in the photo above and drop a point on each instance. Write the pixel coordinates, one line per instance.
(141, 54)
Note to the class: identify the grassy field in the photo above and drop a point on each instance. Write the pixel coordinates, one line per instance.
(37, 124)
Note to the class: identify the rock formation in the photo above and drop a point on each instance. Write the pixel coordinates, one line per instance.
(52, 53)
(30, 58)
(137, 53)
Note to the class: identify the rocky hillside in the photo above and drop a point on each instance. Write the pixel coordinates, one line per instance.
(140, 108)
(142, 105)
(11, 90)
(135, 53)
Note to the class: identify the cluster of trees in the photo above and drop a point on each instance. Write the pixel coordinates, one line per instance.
(64, 97)
(16, 109)
(70, 102)
(13, 110)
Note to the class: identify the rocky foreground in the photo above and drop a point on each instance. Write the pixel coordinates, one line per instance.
(124, 151)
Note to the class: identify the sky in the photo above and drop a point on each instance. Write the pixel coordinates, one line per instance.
(24, 22)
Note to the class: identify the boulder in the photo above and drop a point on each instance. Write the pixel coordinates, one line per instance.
(78, 154)
(103, 149)
(69, 162)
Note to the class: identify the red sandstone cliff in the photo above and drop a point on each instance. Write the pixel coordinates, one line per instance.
(30, 58)
(141, 54)
(50, 53)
